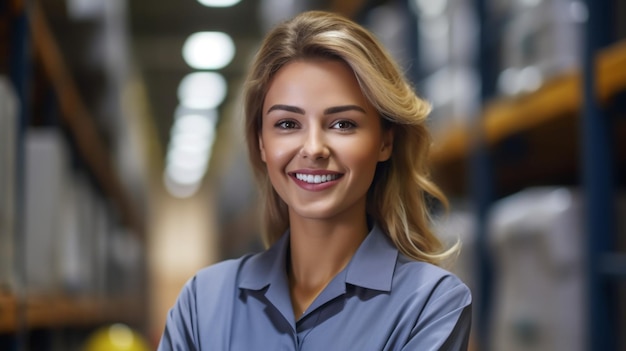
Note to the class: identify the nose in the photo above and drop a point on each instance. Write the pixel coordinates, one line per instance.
(315, 146)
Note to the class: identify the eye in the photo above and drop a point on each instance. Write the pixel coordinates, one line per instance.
(343, 125)
(286, 124)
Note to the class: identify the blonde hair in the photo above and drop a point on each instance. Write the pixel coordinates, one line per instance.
(397, 198)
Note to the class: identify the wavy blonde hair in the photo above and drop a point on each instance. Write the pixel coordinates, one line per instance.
(397, 198)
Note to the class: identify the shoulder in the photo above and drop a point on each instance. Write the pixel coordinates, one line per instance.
(222, 274)
(421, 277)
(220, 270)
(211, 292)
(436, 304)
(203, 308)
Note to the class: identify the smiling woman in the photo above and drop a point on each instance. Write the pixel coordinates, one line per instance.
(318, 123)
(338, 142)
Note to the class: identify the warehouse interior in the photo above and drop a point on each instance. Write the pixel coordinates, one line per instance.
(103, 218)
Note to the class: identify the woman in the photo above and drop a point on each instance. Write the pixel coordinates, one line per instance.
(338, 142)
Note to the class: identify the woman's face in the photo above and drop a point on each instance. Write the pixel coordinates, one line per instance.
(321, 139)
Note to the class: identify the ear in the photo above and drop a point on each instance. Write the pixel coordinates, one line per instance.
(387, 145)
(261, 147)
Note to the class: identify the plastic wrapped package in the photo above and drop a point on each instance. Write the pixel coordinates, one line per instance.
(391, 24)
(536, 237)
(447, 33)
(77, 258)
(46, 193)
(9, 108)
(447, 47)
(454, 95)
(539, 40)
(124, 263)
(459, 226)
(102, 227)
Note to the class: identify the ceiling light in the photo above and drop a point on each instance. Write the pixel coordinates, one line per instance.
(219, 3)
(189, 151)
(208, 50)
(180, 190)
(193, 123)
(202, 90)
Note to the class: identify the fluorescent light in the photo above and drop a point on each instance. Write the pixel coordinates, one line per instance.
(202, 90)
(184, 176)
(189, 144)
(219, 3)
(208, 50)
(179, 190)
(189, 151)
(193, 123)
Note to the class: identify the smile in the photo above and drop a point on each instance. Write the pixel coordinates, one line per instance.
(316, 179)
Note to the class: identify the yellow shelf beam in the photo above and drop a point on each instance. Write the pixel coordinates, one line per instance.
(560, 97)
(55, 311)
(8, 313)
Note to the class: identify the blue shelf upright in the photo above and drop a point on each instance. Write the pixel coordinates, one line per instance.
(598, 175)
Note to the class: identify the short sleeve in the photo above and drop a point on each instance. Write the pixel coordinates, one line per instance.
(445, 322)
(181, 327)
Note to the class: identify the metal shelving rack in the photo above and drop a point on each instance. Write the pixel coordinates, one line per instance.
(33, 50)
(582, 98)
(598, 161)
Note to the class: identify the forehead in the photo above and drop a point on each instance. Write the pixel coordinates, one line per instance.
(330, 81)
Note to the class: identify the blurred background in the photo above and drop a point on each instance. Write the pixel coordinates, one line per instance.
(123, 167)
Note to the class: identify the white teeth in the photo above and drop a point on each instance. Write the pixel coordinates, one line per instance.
(316, 179)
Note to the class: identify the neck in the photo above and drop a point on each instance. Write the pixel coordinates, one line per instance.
(318, 251)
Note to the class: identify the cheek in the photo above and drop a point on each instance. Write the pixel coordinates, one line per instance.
(362, 154)
(275, 152)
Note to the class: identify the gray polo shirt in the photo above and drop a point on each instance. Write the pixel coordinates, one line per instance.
(381, 301)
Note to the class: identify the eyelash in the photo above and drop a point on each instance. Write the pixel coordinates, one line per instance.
(350, 125)
(290, 124)
(283, 124)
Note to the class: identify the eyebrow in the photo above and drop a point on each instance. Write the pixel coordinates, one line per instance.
(287, 108)
(328, 111)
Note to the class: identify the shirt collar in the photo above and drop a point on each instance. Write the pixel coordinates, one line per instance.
(371, 267)
(267, 267)
(374, 262)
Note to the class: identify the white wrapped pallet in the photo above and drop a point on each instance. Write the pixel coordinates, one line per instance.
(540, 40)
(447, 47)
(536, 237)
(459, 226)
(46, 189)
(102, 228)
(124, 262)
(69, 260)
(9, 108)
(448, 33)
(78, 261)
